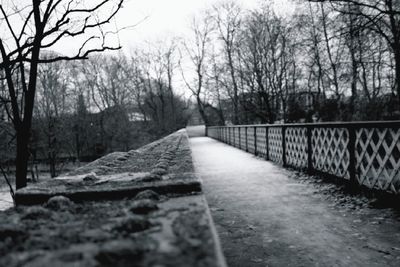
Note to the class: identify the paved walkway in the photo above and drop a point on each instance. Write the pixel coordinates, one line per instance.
(266, 218)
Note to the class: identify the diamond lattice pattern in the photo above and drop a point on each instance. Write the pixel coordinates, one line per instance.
(329, 151)
(242, 138)
(230, 136)
(236, 135)
(378, 158)
(275, 144)
(250, 139)
(296, 146)
(261, 141)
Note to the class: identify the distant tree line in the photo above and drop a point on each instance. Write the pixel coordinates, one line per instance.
(56, 105)
(30, 28)
(107, 103)
(329, 61)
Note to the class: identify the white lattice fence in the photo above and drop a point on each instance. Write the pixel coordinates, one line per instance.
(219, 133)
(261, 141)
(236, 134)
(275, 144)
(296, 147)
(213, 132)
(250, 139)
(329, 151)
(226, 136)
(230, 136)
(375, 149)
(378, 158)
(242, 138)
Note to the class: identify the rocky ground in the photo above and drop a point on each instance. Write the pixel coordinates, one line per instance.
(164, 166)
(140, 208)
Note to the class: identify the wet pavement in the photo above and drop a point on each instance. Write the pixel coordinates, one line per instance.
(266, 216)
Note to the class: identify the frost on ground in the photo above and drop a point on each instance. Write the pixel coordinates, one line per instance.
(269, 216)
(162, 165)
(159, 154)
(159, 217)
(5, 199)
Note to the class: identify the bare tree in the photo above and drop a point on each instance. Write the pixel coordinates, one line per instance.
(382, 17)
(197, 50)
(52, 105)
(32, 27)
(228, 17)
(107, 80)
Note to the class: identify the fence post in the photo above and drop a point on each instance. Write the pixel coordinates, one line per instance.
(240, 140)
(247, 142)
(266, 141)
(284, 146)
(233, 136)
(223, 134)
(309, 150)
(229, 135)
(352, 155)
(255, 140)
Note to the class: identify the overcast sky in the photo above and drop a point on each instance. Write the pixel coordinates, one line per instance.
(159, 19)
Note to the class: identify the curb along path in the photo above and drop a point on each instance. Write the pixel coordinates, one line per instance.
(267, 217)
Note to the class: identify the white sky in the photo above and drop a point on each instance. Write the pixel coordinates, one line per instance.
(166, 18)
(160, 20)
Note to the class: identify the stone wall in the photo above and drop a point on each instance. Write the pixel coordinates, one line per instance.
(144, 207)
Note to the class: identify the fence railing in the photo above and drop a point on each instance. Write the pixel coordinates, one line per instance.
(365, 153)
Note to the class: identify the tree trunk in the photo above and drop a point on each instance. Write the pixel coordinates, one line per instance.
(354, 65)
(397, 73)
(201, 111)
(22, 157)
(234, 84)
(52, 164)
(77, 145)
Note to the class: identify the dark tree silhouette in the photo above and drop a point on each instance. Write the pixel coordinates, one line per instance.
(36, 26)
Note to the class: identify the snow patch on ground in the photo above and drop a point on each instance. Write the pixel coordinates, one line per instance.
(6, 201)
(99, 179)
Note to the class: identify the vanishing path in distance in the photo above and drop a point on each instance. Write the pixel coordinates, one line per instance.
(266, 217)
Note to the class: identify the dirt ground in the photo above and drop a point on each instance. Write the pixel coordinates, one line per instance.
(269, 216)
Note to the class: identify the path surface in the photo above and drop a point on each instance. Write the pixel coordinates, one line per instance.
(266, 217)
